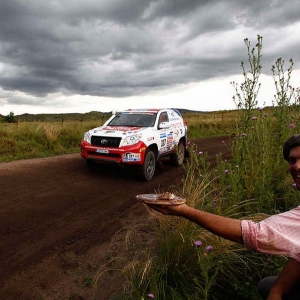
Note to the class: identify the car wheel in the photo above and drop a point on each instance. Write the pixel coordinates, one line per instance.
(146, 171)
(178, 157)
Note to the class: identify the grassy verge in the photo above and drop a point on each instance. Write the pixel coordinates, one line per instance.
(187, 262)
(23, 140)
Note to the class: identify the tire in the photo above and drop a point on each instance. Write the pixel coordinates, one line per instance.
(177, 158)
(146, 171)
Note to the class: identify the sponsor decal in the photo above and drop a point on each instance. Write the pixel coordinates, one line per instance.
(123, 128)
(169, 141)
(163, 135)
(127, 157)
(151, 138)
(162, 150)
(143, 149)
(176, 125)
(137, 112)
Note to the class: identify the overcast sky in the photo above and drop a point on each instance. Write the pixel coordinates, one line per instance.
(78, 56)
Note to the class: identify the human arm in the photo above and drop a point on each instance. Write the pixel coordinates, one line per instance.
(287, 279)
(227, 228)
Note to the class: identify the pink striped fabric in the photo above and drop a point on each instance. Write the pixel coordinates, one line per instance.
(278, 234)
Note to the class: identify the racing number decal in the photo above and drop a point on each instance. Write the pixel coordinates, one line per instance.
(166, 142)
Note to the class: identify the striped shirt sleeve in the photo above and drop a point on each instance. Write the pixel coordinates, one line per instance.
(278, 234)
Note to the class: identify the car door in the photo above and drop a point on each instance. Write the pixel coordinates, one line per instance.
(165, 132)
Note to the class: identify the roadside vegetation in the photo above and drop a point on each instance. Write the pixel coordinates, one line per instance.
(33, 136)
(186, 261)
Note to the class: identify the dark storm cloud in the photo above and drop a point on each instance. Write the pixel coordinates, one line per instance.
(120, 48)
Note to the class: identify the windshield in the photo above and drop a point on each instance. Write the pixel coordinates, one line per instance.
(134, 119)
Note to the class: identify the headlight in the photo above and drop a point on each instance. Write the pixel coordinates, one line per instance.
(131, 140)
(87, 137)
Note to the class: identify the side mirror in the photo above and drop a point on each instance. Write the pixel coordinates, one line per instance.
(164, 125)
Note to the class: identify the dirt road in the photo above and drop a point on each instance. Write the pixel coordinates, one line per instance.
(57, 219)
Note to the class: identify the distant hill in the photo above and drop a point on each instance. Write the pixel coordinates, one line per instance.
(90, 116)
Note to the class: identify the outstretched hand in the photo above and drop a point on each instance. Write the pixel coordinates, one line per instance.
(175, 210)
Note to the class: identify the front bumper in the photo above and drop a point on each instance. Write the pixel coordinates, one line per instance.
(124, 155)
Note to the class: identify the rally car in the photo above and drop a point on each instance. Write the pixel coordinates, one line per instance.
(138, 137)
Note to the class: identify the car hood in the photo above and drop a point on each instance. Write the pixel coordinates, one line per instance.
(116, 130)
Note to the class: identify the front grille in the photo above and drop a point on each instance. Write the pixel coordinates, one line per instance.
(104, 141)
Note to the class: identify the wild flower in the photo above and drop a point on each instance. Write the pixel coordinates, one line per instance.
(200, 153)
(254, 118)
(244, 134)
(209, 248)
(226, 171)
(208, 269)
(261, 108)
(294, 184)
(292, 125)
(198, 243)
(150, 296)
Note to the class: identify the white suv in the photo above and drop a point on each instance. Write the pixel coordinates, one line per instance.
(138, 137)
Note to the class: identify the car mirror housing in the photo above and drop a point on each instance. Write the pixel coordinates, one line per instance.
(164, 125)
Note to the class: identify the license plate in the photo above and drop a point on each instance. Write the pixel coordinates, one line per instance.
(101, 150)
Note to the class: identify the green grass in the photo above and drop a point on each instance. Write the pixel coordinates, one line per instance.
(25, 140)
